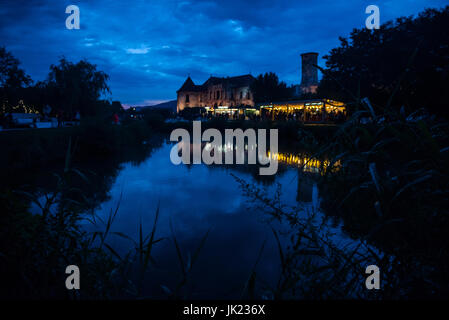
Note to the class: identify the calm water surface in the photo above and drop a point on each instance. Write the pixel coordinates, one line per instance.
(197, 198)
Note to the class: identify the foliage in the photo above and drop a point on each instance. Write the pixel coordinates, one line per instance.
(191, 113)
(95, 138)
(36, 247)
(404, 63)
(12, 80)
(69, 88)
(155, 118)
(76, 87)
(390, 191)
(314, 262)
(267, 87)
(11, 75)
(395, 173)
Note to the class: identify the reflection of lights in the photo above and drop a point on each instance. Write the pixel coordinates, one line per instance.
(225, 147)
(305, 163)
(308, 164)
(311, 106)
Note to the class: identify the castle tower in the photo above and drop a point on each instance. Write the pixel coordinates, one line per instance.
(309, 79)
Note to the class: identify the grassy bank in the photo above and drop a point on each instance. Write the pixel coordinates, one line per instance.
(390, 196)
(39, 147)
(391, 190)
(36, 245)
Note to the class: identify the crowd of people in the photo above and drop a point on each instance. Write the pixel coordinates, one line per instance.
(279, 115)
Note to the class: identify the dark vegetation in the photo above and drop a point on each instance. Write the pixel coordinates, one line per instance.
(389, 190)
(37, 148)
(68, 89)
(50, 169)
(390, 187)
(393, 185)
(403, 64)
(37, 247)
(395, 174)
(267, 87)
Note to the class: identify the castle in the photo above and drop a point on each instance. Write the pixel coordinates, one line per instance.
(235, 92)
(216, 92)
(309, 75)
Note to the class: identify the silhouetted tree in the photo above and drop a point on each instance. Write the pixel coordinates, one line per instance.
(76, 87)
(116, 107)
(267, 87)
(407, 60)
(12, 80)
(35, 96)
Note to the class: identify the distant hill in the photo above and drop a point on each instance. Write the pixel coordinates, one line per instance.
(171, 105)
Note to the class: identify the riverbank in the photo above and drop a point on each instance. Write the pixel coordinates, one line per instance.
(36, 148)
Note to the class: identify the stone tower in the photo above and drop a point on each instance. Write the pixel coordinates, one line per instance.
(309, 80)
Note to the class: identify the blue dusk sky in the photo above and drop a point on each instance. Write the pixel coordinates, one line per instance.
(148, 48)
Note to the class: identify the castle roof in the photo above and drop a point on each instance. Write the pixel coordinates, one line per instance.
(238, 81)
(188, 85)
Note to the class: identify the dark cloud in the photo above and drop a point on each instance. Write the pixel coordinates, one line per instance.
(149, 47)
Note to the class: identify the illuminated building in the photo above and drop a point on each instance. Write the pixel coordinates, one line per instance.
(232, 98)
(315, 110)
(222, 95)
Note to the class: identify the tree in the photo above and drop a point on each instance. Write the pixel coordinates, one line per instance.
(404, 63)
(11, 75)
(76, 87)
(12, 80)
(116, 107)
(268, 88)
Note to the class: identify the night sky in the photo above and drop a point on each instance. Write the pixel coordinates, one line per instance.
(149, 47)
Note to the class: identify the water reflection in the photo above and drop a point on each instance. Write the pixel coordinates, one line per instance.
(305, 162)
(302, 160)
(196, 198)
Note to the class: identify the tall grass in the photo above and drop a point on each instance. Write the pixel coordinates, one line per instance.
(390, 193)
(36, 248)
(392, 189)
(313, 265)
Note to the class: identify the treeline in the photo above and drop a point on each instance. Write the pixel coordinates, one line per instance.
(69, 88)
(268, 87)
(405, 63)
